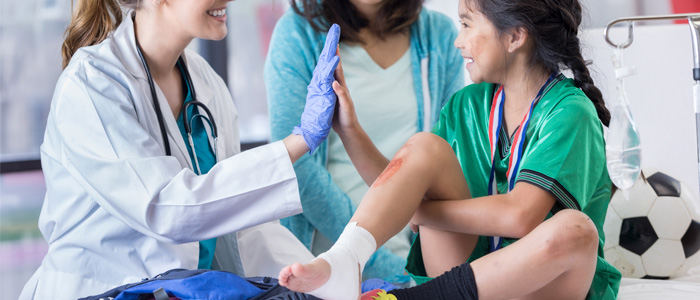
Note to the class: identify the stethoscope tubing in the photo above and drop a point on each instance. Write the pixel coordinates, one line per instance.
(154, 97)
(187, 122)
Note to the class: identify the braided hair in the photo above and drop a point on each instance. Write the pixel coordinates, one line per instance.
(553, 26)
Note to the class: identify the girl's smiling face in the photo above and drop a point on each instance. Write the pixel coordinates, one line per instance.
(481, 45)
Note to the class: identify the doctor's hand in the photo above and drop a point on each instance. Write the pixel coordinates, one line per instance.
(317, 118)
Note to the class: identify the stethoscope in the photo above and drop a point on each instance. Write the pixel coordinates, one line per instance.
(187, 122)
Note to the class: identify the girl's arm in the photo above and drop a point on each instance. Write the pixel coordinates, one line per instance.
(513, 215)
(569, 148)
(364, 155)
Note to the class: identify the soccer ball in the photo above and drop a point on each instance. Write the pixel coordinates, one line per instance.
(654, 234)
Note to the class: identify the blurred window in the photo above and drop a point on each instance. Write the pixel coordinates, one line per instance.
(31, 33)
(250, 28)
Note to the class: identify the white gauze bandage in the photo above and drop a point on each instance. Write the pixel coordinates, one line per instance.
(354, 247)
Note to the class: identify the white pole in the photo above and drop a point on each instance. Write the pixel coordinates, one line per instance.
(696, 97)
(694, 23)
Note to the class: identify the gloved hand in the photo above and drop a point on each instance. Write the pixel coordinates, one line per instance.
(317, 118)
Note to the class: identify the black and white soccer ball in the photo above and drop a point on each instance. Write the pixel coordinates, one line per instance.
(656, 233)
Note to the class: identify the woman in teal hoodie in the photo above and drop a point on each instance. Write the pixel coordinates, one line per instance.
(400, 63)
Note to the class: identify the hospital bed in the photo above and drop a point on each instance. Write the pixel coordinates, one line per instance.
(686, 287)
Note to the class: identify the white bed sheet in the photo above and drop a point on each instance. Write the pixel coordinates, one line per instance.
(686, 287)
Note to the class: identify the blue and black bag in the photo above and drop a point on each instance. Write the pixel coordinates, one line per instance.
(202, 284)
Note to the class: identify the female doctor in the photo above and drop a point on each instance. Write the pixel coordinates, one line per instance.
(141, 150)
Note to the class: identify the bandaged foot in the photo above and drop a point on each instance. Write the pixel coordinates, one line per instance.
(340, 266)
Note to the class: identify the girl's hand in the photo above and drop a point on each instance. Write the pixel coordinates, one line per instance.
(345, 118)
(364, 155)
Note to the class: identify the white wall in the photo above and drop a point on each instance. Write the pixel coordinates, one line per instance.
(597, 13)
(660, 95)
(600, 12)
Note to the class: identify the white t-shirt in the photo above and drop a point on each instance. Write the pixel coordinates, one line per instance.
(387, 108)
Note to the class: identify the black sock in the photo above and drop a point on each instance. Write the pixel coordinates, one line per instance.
(455, 284)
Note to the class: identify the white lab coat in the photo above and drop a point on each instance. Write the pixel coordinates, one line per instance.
(117, 209)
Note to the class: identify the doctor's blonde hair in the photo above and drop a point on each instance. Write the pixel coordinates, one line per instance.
(91, 22)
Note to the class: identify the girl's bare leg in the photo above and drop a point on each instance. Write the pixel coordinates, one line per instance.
(442, 250)
(557, 260)
(426, 167)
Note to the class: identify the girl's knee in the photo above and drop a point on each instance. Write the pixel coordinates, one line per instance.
(425, 144)
(571, 231)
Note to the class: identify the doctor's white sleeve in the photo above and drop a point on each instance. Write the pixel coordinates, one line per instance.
(106, 147)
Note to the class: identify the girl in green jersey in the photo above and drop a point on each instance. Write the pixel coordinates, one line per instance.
(512, 180)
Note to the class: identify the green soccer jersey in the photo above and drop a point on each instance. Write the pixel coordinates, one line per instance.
(563, 153)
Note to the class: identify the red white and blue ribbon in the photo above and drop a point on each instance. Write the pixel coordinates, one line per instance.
(516, 150)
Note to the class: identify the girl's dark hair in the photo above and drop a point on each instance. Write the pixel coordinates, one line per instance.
(553, 26)
(394, 16)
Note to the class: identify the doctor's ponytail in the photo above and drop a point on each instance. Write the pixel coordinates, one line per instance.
(91, 22)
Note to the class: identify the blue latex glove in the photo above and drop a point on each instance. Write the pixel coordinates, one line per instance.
(317, 118)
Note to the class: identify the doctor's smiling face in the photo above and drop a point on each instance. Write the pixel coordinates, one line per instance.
(481, 45)
(204, 19)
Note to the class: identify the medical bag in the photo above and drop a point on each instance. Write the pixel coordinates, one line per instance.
(202, 284)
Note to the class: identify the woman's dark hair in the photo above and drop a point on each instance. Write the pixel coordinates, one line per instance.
(553, 26)
(394, 16)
